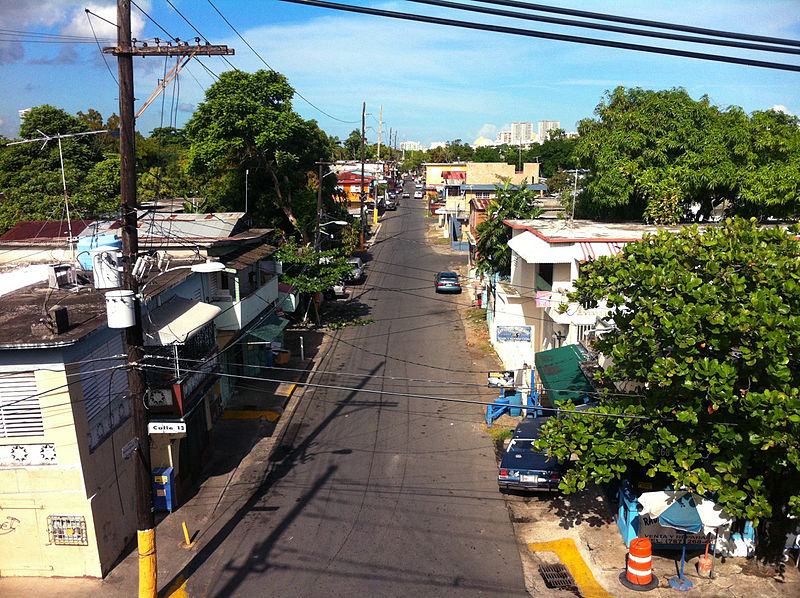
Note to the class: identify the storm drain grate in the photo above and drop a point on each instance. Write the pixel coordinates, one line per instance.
(557, 577)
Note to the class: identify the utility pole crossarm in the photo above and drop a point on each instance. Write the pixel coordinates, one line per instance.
(178, 50)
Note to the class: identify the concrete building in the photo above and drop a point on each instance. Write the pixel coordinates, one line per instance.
(522, 133)
(411, 146)
(544, 128)
(546, 256)
(504, 138)
(66, 478)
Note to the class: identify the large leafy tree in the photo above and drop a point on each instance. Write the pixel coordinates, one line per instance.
(30, 174)
(706, 348)
(247, 123)
(663, 157)
(510, 202)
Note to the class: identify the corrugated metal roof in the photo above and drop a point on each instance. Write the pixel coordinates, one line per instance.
(480, 203)
(29, 230)
(188, 226)
(244, 257)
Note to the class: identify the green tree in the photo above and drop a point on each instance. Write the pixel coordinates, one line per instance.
(312, 272)
(705, 346)
(30, 174)
(493, 252)
(247, 123)
(488, 154)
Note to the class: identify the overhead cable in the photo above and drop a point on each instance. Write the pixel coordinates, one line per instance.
(643, 22)
(545, 35)
(612, 28)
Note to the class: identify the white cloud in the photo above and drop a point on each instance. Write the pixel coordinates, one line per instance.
(488, 130)
(78, 23)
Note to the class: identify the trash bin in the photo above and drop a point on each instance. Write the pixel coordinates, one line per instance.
(514, 399)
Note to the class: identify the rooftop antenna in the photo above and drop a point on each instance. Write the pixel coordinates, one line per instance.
(44, 139)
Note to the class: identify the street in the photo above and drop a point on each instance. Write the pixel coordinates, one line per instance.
(372, 494)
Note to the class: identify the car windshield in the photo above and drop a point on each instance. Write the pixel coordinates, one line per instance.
(521, 446)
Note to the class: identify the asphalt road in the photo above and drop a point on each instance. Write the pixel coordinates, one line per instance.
(376, 494)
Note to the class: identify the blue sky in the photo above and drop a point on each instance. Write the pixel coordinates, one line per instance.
(435, 83)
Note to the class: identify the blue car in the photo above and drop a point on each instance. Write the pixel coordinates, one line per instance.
(522, 467)
(446, 282)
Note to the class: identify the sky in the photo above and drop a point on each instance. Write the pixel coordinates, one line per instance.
(433, 83)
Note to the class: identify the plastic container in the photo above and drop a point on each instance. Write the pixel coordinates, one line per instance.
(120, 309)
(105, 265)
(86, 244)
(514, 399)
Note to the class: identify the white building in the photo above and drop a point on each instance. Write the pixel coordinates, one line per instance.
(504, 137)
(546, 256)
(522, 133)
(545, 126)
(411, 146)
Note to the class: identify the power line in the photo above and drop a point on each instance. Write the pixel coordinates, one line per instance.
(306, 100)
(612, 28)
(545, 35)
(409, 395)
(643, 22)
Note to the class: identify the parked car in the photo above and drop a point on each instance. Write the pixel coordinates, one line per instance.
(523, 467)
(417, 194)
(447, 281)
(357, 273)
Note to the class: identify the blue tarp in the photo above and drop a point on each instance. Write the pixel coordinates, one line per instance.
(682, 515)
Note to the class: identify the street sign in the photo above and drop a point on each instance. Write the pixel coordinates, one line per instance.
(129, 447)
(166, 427)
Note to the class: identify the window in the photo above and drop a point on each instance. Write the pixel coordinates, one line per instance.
(544, 277)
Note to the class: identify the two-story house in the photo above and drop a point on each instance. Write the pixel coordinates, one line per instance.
(546, 259)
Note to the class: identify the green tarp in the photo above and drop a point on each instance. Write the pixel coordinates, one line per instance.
(561, 374)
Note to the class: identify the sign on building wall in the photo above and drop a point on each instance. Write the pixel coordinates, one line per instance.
(520, 334)
(503, 379)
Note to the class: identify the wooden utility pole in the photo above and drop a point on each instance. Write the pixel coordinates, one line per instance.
(134, 338)
(362, 195)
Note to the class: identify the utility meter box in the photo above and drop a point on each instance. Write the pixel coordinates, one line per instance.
(163, 489)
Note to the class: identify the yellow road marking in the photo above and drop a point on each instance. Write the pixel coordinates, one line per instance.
(567, 553)
(177, 589)
(247, 414)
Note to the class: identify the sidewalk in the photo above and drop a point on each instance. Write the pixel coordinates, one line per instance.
(244, 439)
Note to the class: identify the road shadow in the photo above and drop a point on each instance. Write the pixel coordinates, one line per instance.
(589, 507)
(282, 461)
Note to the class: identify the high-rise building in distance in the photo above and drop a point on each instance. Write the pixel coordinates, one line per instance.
(521, 133)
(545, 126)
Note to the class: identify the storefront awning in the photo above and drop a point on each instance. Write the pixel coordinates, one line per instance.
(270, 329)
(561, 374)
(176, 321)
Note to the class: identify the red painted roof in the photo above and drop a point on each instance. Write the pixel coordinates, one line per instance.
(44, 229)
(350, 177)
